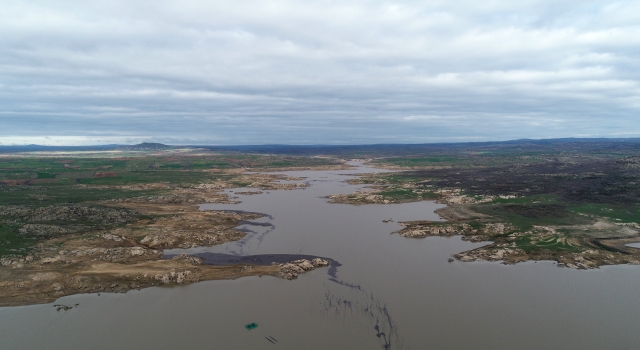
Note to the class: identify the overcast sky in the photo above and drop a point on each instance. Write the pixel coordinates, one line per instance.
(311, 72)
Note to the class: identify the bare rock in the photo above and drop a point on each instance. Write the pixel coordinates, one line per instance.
(318, 262)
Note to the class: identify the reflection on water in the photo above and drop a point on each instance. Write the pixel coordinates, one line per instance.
(363, 306)
(256, 232)
(381, 291)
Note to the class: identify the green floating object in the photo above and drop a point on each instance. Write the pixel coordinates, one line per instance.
(251, 326)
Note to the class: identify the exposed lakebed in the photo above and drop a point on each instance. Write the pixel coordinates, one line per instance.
(389, 292)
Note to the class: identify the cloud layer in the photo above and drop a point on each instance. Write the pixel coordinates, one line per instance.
(254, 72)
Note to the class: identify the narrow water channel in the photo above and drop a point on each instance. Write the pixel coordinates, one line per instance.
(390, 292)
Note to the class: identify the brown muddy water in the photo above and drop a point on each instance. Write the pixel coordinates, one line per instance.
(390, 292)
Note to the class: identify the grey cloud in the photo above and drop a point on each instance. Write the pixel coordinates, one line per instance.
(250, 72)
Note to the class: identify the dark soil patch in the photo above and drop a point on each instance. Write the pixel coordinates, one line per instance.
(535, 211)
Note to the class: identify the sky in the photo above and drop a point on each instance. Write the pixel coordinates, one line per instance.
(316, 72)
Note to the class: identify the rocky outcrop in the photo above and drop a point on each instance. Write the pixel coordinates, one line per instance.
(584, 260)
(360, 197)
(491, 254)
(82, 213)
(208, 192)
(189, 239)
(193, 229)
(43, 230)
(178, 277)
(421, 229)
(59, 220)
(125, 254)
(292, 269)
(112, 237)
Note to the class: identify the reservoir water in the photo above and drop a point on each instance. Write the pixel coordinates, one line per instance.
(390, 292)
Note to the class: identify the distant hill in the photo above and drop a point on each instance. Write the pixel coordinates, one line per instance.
(378, 150)
(544, 145)
(41, 148)
(146, 146)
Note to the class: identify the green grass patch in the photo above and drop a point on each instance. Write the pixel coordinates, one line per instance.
(210, 165)
(552, 243)
(281, 164)
(46, 176)
(13, 243)
(400, 178)
(413, 162)
(524, 217)
(541, 198)
(36, 196)
(115, 180)
(400, 194)
(614, 212)
(171, 166)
